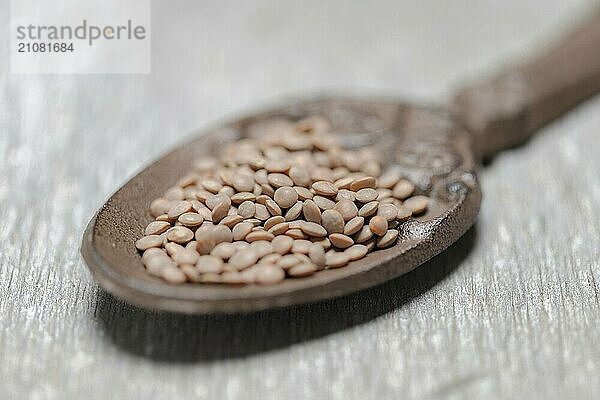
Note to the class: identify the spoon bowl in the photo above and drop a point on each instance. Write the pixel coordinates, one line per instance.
(426, 145)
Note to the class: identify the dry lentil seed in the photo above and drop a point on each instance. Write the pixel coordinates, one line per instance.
(347, 209)
(254, 221)
(324, 188)
(221, 233)
(323, 203)
(259, 235)
(261, 212)
(317, 255)
(217, 199)
(271, 222)
(311, 211)
(356, 252)
(280, 228)
(332, 221)
(340, 240)
(363, 235)
(273, 207)
(277, 165)
(159, 206)
(344, 183)
(302, 270)
(295, 224)
(212, 185)
(270, 258)
(285, 196)
(243, 182)
(388, 239)
(173, 275)
(403, 213)
(175, 193)
(173, 248)
(260, 177)
(220, 211)
(206, 214)
(155, 265)
(368, 209)
(153, 252)
(300, 176)
(282, 244)
(231, 220)
(192, 274)
(243, 197)
(149, 241)
(403, 189)
(223, 250)
(303, 193)
(336, 260)
(205, 241)
(179, 208)
(242, 259)
(378, 225)
(186, 257)
(363, 183)
(301, 246)
(389, 179)
(278, 180)
(211, 278)
(288, 261)
(366, 195)
(234, 278)
(321, 174)
(295, 233)
(294, 212)
(261, 248)
(241, 230)
(313, 229)
(370, 244)
(202, 195)
(190, 219)
(269, 275)
(164, 218)
(156, 228)
(387, 211)
(353, 226)
(417, 204)
(345, 194)
(179, 234)
(227, 191)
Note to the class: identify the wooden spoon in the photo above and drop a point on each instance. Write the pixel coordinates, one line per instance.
(433, 147)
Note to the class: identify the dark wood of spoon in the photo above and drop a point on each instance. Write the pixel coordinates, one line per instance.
(431, 146)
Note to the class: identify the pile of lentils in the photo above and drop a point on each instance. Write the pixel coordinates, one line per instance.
(286, 204)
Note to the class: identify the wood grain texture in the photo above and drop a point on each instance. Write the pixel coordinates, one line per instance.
(511, 311)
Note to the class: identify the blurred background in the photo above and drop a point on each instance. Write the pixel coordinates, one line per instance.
(516, 314)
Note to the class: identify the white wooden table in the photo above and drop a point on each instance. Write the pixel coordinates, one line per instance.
(511, 311)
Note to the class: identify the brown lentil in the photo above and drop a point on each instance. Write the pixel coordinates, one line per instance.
(353, 226)
(378, 225)
(332, 221)
(417, 204)
(356, 252)
(403, 189)
(388, 239)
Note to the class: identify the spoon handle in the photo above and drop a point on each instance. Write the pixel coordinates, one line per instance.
(506, 110)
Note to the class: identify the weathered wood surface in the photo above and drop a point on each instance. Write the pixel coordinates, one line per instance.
(511, 311)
